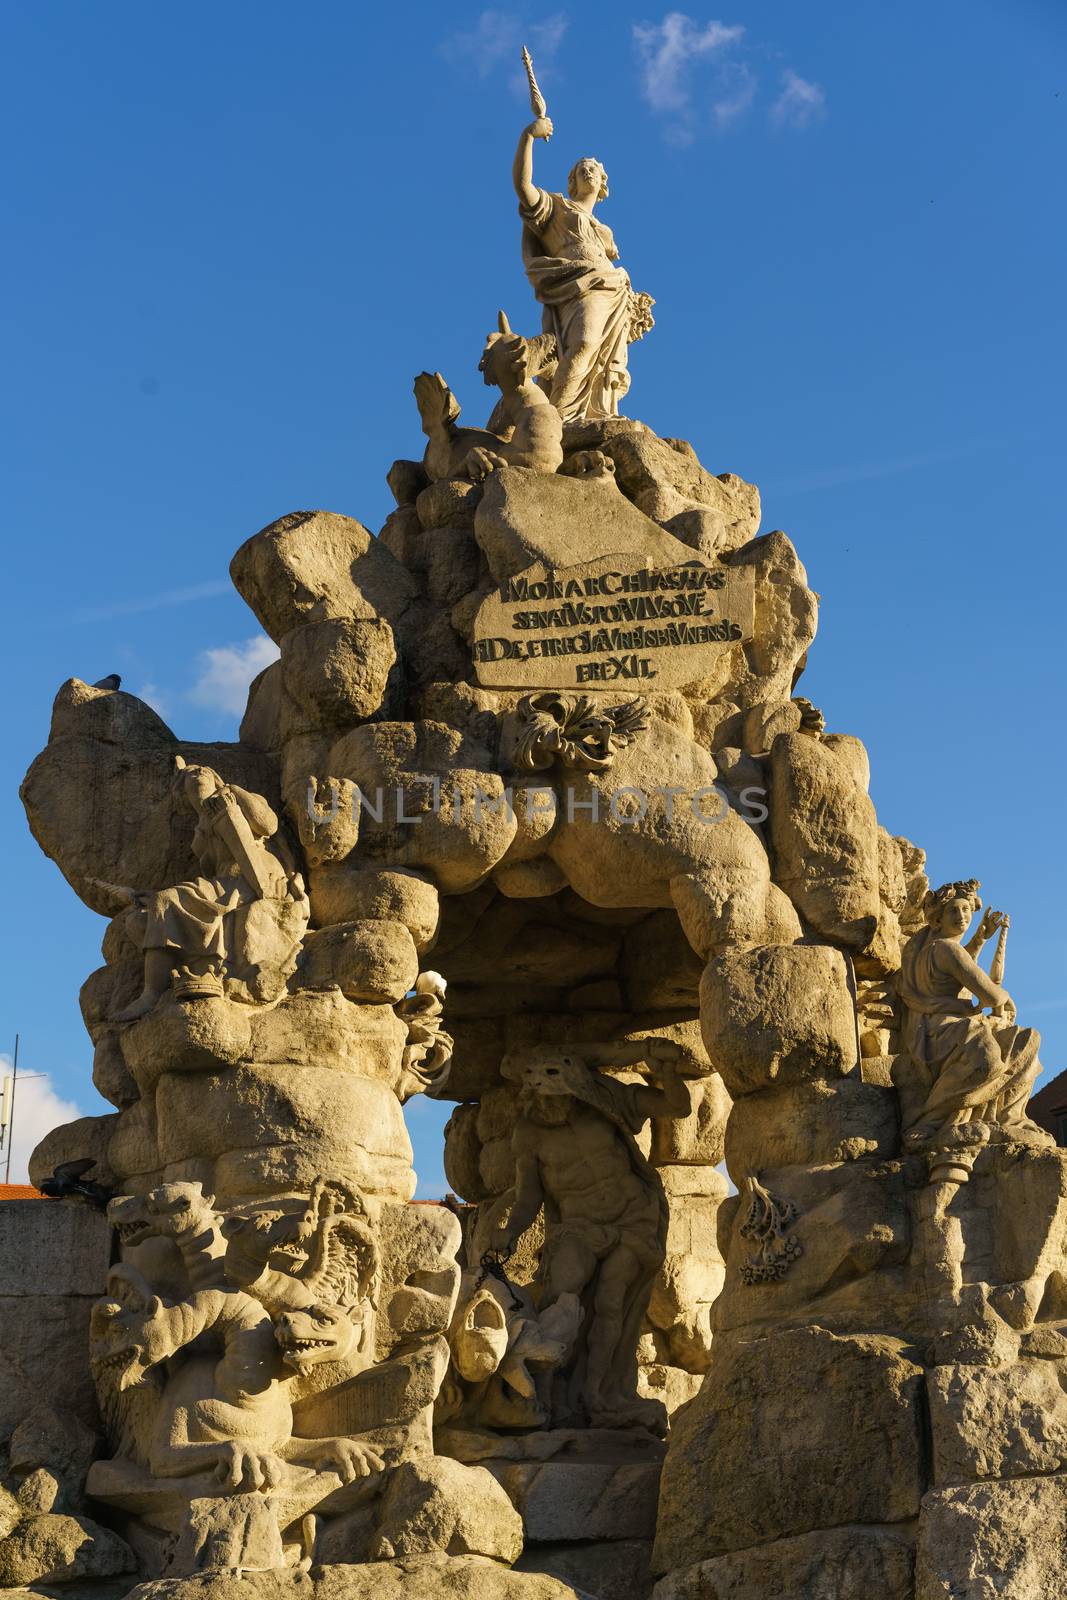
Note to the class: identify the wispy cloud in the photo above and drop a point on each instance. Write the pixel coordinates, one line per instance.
(736, 93)
(494, 44)
(225, 673)
(668, 53)
(153, 696)
(37, 1110)
(799, 103)
(155, 602)
(702, 76)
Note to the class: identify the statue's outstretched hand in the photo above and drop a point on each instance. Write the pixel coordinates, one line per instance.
(243, 1469)
(663, 1052)
(352, 1459)
(1006, 1011)
(481, 462)
(541, 129)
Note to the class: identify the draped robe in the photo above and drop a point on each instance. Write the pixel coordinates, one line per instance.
(570, 261)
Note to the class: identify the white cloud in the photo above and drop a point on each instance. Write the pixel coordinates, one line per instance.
(153, 696)
(496, 41)
(226, 672)
(736, 93)
(668, 51)
(799, 103)
(37, 1110)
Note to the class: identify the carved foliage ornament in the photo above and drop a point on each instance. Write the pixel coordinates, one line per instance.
(575, 731)
(766, 1222)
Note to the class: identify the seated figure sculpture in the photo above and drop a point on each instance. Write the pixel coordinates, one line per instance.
(976, 1071)
(525, 430)
(248, 905)
(196, 1387)
(576, 1155)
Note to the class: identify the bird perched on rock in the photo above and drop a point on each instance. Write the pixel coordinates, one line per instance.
(112, 681)
(69, 1179)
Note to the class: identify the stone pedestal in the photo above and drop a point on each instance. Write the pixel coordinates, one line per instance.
(54, 1259)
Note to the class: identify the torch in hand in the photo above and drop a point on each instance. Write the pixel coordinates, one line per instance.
(537, 99)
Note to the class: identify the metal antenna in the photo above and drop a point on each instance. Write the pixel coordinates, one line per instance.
(9, 1108)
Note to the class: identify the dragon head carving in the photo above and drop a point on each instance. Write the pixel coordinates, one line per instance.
(324, 1254)
(127, 1335)
(314, 1334)
(128, 1215)
(177, 1209)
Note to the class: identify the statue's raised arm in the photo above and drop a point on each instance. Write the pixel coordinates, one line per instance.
(966, 1077)
(522, 171)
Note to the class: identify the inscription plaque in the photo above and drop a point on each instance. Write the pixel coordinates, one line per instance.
(615, 620)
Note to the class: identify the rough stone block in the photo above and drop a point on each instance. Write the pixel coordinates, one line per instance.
(271, 1128)
(438, 1504)
(998, 1422)
(563, 1500)
(338, 671)
(811, 1123)
(462, 1151)
(479, 1047)
(824, 835)
(74, 1141)
(391, 1403)
(613, 1570)
(60, 1549)
(833, 1564)
(313, 565)
(426, 1577)
(525, 517)
(199, 1036)
(698, 1139)
(323, 1029)
(1007, 1540)
(53, 1247)
(659, 966)
(341, 892)
(44, 1350)
(372, 962)
(852, 1224)
(781, 1013)
(789, 1433)
(419, 1244)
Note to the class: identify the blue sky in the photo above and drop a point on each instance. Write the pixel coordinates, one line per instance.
(236, 232)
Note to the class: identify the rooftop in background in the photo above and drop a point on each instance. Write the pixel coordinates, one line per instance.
(1048, 1108)
(20, 1191)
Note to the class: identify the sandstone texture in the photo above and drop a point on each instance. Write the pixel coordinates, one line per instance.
(752, 1279)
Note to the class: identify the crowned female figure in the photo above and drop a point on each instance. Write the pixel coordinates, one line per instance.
(976, 1071)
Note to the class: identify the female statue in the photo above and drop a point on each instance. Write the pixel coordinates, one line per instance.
(976, 1071)
(570, 261)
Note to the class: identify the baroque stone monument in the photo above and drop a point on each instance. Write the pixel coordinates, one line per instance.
(529, 817)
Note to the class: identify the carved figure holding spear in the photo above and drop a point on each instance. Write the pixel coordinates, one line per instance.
(570, 259)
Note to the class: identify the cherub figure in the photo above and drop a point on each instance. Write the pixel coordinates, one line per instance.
(977, 1071)
(525, 430)
(576, 1154)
